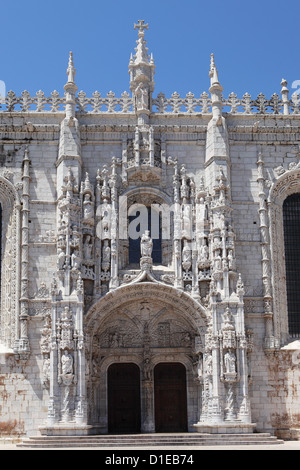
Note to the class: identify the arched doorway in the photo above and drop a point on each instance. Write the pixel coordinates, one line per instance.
(137, 322)
(124, 398)
(170, 390)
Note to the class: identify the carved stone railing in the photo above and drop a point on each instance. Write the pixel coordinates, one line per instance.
(110, 104)
(260, 105)
(39, 103)
(54, 103)
(178, 105)
(232, 105)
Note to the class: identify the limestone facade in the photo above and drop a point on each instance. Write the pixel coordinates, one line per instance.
(209, 295)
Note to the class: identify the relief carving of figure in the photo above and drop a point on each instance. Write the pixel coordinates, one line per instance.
(114, 340)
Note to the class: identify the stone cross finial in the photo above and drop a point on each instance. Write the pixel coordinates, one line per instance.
(141, 26)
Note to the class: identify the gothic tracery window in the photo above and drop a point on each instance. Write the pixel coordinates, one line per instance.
(291, 222)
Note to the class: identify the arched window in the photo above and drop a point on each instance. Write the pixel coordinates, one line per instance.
(291, 223)
(143, 218)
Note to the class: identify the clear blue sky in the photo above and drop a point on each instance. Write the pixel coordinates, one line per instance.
(255, 44)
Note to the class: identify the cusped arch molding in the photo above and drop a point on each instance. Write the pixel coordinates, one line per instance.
(146, 195)
(144, 294)
(10, 263)
(286, 185)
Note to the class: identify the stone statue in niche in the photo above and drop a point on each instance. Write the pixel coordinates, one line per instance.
(218, 260)
(67, 363)
(106, 221)
(146, 245)
(76, 260)
(106, 256)
(61, 258)
(88, 208)
(187, 221)
(231, 260)
(147, 369)
(46, 371)
(204, 252)
(87, 249)
(141, 97)
(228, 317)
(186, 256)
(230, 362)
(208, 364)
(198, 368)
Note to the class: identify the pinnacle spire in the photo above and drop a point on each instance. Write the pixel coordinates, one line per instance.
(71, 71)
(70, 89)
(141, 70)
(216, 91)
(141, 50)
(213, 72)
(212, 64)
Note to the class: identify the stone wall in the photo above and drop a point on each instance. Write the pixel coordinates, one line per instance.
(233, 161)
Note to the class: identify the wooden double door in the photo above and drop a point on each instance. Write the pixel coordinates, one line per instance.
(124, 398)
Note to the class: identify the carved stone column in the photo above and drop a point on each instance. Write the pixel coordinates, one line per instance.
(148, 420)
(23, 347)
(269, 341)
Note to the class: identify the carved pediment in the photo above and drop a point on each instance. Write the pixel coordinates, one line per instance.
(144, 173)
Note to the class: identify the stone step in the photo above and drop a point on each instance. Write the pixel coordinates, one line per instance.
(149, 440)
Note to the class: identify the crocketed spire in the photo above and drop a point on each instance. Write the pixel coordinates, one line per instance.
(141, 70)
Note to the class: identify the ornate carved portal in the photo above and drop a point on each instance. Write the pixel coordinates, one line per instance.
(141, 335)
(149, 324)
